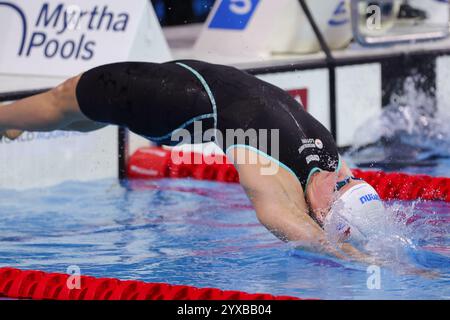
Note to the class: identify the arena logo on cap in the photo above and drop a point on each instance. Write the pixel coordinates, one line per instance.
(233, 14)
(51, 36)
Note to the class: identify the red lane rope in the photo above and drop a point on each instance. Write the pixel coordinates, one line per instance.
(38, 285)
(407, 187)
(154, 162)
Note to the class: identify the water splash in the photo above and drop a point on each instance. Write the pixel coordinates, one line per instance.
(410, 133)
(391, 241)
(413, 235)
(407, 237)
(410, 129)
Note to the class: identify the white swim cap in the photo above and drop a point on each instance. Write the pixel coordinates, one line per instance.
(355, 215)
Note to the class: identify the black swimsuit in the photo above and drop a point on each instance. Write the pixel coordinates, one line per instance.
(158, 101)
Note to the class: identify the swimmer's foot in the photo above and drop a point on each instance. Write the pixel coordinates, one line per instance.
(11, 134)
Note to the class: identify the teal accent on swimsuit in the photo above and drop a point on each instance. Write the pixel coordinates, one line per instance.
(184, 125)
(314, 170)
(282, 165)
(198, 118)
(207, 89)
(339, 164)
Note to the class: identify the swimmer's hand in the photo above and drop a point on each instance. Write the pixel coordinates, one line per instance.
(11, 134)
(429, 274)
(355, 255)
(411, 270)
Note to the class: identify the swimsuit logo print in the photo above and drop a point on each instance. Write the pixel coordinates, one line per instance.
(318, 143)
(306, 144)
(311, 158)
(309, 144)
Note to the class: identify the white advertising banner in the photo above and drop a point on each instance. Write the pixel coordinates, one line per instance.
(65, 37)
(442, 87)
(359, 99)
(38, 159)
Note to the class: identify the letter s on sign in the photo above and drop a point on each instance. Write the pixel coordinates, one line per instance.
(241, 6)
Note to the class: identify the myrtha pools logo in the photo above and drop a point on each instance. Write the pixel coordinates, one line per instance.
(64, 31)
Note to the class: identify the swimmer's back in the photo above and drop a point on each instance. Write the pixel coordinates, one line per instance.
(248, 103)
(156, 100)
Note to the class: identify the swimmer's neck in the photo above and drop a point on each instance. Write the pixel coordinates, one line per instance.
(344, 171)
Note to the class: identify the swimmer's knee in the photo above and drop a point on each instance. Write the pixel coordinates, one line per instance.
(66, 90)
(64, 97)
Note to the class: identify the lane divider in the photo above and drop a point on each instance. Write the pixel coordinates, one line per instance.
(407, 187)
(155, 162)
(39, 285)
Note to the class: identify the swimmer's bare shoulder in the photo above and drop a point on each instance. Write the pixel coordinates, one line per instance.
(276, 196)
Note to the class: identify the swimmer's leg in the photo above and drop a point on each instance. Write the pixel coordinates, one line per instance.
(48, 111)
(79, 126)
(84, 126)
(11, 134)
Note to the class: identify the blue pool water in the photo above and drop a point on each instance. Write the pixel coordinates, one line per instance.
(205, 234)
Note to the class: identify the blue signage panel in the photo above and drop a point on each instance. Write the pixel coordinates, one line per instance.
(233, 14)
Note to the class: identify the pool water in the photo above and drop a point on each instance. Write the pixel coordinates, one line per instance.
(205, 234)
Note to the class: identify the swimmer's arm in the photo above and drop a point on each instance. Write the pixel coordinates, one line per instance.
(280, 205)
(289, 225)
(293, 225)
(79, 126)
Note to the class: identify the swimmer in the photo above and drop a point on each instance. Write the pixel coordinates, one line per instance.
(312, 199)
